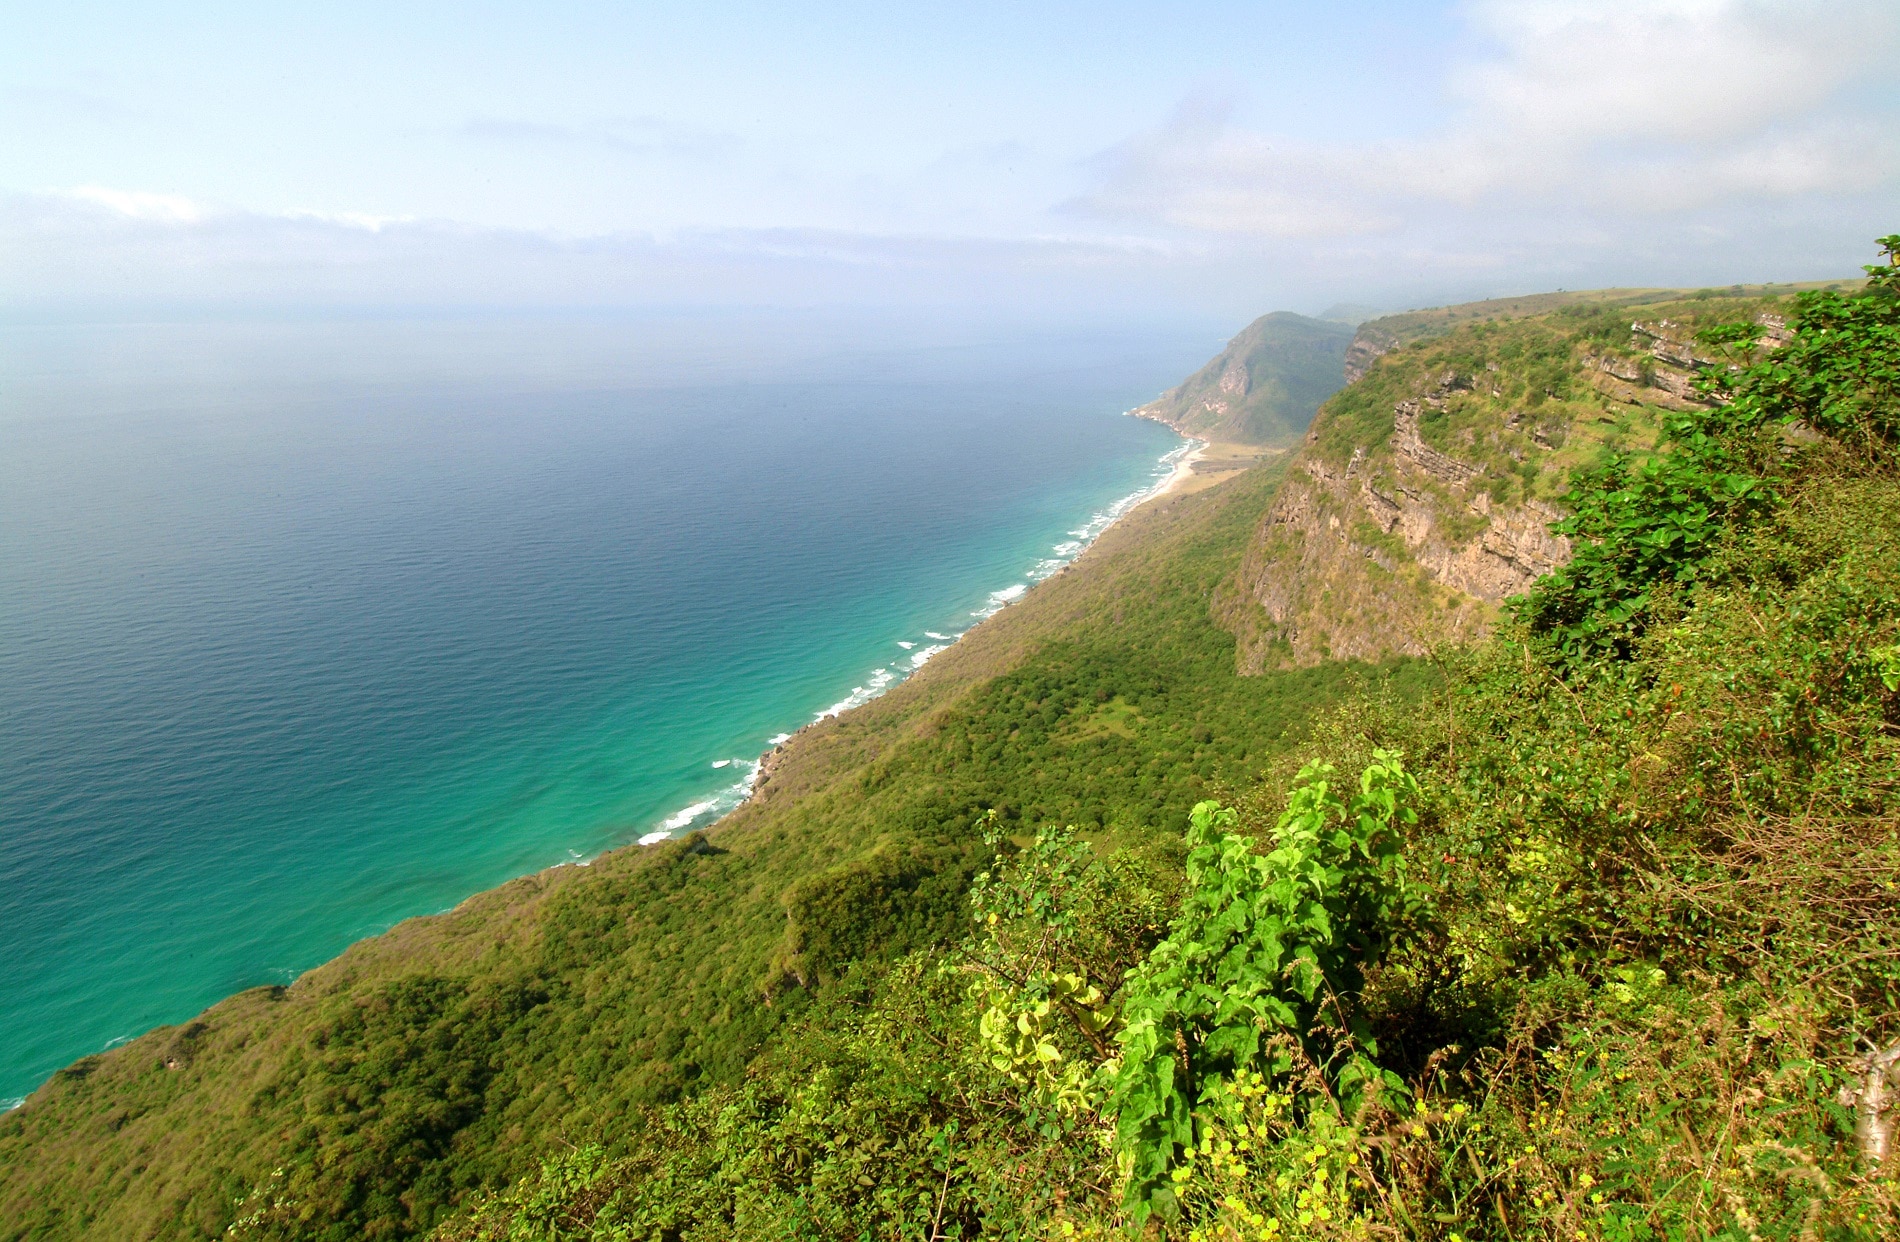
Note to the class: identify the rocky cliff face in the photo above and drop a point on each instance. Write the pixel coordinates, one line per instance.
(1369, 343)
(1400, 549)
(1423, 495)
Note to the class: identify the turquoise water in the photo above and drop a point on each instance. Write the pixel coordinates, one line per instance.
(310, 626)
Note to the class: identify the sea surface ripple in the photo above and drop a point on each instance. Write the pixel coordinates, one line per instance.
(311, 625)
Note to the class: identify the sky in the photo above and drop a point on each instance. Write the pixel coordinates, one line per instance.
(1044, 159)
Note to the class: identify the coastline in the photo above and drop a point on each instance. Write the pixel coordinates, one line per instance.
(708, 812)
(1183, 471)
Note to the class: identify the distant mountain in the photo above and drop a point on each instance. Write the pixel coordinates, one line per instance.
(1265, 387)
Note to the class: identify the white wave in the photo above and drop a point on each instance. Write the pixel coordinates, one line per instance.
(1087, 533)
(883, 679)
(1000, 600)
(679, 819)
(7, 1106)
(707, 810)
(879, 681)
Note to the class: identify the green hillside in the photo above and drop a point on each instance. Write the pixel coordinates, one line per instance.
(1590, 929)
(1426, 490)
(1599, 940)
(1264, 387)
(454, 1052)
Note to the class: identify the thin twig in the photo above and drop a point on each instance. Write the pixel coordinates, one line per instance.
(936, 1223)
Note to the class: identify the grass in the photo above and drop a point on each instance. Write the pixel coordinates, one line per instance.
(380, 1091)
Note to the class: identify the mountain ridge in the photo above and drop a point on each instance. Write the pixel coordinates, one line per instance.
(1422, 494)
(1264, 387)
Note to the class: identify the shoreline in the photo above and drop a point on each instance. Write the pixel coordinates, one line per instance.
(1183, 471)
(681, 823)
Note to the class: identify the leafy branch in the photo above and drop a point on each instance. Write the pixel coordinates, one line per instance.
(1262, 942)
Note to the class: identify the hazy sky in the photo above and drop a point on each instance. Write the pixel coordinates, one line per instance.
(1208, 158)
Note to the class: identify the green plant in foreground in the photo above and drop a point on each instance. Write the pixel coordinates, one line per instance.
(1264, 945)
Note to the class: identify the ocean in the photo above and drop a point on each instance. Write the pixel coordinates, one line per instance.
(309, 624)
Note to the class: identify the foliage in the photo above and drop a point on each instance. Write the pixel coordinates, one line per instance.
(1840, 375)
(1263, 943)
(1641, 526)
(1645, 525)
(1055, 933)
(863, 1122)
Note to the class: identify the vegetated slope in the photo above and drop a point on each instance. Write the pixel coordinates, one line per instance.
(1604, 967)
(1425, 491)
(1264, 387)
(377, 1091)
(1380, 335)
(1612, 952)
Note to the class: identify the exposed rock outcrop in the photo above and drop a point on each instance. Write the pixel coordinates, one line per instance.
(1364, 562)
(1424, 496)
(1369, 344)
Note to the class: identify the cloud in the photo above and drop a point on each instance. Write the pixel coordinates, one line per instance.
(349, 219)
(637, 135)
(1633, 108)
(120, 249)
(141, 204)
(1573, 72)
(115, 246)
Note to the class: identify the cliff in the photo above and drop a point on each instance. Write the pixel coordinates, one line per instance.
(1264, 388)
(1424, 493)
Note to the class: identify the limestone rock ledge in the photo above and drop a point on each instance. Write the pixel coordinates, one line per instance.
(1399, 551)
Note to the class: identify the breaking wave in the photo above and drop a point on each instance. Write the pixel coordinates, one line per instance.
(707, 810)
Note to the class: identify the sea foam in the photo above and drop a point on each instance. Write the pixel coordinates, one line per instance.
(708, 809)
(880, 680)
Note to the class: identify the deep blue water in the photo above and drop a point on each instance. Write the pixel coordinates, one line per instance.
(307, 626)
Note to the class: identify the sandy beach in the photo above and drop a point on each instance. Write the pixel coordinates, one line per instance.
(1183, 470)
